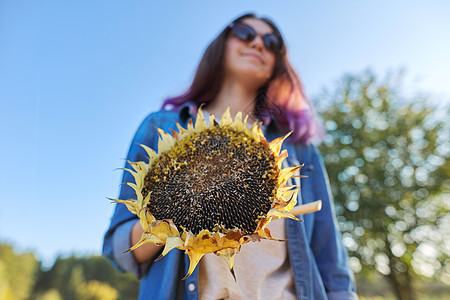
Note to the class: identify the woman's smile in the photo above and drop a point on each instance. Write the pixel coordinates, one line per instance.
(254, 56)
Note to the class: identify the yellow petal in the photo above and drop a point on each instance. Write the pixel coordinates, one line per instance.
(137, 178)
(131, 204)
(275, 145)
(146, 218)
(165, 141)
(203, 242)
(181, 129)
(146, 200)
(226, 117)
(245, 121)
(265, 234)
(228, 255)
(282, 189)
(256, 132)
(238, 117)
(287, 173)
(194, 258)
(172, 243)
(200, 123)
(137, 191)
(281, 214)
(146, 238)
(163, 229)
(291, 197)
(237, 124)
(281, 158)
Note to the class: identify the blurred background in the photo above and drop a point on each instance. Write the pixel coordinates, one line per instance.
(77, 78)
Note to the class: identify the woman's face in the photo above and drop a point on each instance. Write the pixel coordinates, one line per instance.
(250, 60)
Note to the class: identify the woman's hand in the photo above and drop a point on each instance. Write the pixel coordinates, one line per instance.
(146, 251)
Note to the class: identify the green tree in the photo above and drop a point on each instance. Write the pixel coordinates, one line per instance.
(95, 290)
(51, 294)
(387, 158)
(6, 292)
(86, 278)
(17, 273)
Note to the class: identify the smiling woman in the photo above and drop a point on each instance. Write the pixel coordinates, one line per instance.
(219, 189)
(248, 57)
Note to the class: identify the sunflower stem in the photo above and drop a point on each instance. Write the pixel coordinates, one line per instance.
(307, 208)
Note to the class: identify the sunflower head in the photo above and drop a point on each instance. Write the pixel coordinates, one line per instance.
(211, 189)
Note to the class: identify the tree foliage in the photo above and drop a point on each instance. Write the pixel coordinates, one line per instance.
(82, 278)
(78, 278)
(17, 273)
(387, 158)
(95, 290)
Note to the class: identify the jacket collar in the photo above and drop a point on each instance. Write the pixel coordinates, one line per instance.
(189, 111)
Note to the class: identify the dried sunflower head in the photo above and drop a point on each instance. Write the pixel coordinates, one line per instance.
(210, 189)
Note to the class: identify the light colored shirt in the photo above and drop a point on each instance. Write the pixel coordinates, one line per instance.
(262, 271)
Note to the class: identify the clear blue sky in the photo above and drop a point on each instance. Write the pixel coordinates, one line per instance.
(77, 78)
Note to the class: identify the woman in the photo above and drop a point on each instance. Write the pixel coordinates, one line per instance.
(244, 68)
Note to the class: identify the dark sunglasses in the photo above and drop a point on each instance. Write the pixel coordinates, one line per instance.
(247, 33)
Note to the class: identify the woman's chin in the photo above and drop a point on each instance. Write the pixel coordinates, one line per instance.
(252, 74)
(257, 78)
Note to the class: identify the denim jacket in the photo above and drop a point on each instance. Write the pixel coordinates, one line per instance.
(318, 258)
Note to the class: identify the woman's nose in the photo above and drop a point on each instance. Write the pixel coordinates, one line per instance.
(257, 43)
